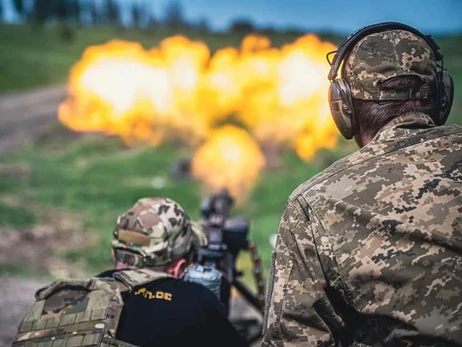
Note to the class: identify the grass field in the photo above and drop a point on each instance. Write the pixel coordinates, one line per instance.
(35, 58)
(88, 180)
(96, 178)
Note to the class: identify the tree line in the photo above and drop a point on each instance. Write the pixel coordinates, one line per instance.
(94, 13)
(137, 14)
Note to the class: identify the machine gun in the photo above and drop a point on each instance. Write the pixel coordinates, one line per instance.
(228, 237)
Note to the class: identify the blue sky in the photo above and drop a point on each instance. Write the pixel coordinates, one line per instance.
(429, 16)
(338, 15)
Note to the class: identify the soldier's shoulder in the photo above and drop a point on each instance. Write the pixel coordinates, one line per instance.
(448, 136)
(177, 285)
(450, 127)
(449, 131)
(445, 139)
(322, 178)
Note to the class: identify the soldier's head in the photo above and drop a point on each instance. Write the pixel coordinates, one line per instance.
(387, 70)
(156, 233)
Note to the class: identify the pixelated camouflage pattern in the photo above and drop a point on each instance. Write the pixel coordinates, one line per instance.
(369, 252)
(384, 55)
(154, 232)
(80, 312)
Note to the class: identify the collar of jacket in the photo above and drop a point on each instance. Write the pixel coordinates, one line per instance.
(404, 125)
(403, 131)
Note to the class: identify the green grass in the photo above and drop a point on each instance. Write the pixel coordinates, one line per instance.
(452, 51)
(17, 270)
(31, 57)
(98, 178)
(16, 216)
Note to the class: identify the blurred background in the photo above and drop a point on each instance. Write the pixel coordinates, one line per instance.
(103, 102)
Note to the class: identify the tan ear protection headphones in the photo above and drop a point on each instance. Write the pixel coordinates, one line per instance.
(340, 99)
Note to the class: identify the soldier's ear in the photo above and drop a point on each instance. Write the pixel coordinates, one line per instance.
(113, 256)
(177, 267)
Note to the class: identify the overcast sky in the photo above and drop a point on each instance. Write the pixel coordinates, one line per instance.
(429, 16)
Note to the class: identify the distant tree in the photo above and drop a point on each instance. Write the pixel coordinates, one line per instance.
(61, 10)
(19, 7)
(203, 25)
(75, 10)
(268, 30)
(112, 13)
(137, 13)
(151, 21)
(174, 17)
(295, 31)
(242, 26)
(41, 11)
(94, 13)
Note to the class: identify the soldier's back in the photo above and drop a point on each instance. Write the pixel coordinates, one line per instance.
(388, 230)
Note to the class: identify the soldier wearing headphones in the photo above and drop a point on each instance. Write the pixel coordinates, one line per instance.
(369, 252)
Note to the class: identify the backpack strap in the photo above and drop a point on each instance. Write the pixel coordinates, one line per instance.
(89, 285)
(136, 277)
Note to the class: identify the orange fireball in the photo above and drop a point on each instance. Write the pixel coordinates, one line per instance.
(178, 89)
(230, 158)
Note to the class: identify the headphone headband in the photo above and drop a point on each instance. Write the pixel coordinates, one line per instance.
(359, 34)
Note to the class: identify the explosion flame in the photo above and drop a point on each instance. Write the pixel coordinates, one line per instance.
(230, 158)
(279, 95)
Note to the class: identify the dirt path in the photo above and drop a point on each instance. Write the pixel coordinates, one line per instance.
(16, 297)
(24, 115)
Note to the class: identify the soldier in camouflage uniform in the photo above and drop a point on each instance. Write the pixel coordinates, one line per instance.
(157, 234)
(140, 303)
(369, 251)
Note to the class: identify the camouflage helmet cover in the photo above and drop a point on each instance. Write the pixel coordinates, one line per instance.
(380, 56)
(155, 231)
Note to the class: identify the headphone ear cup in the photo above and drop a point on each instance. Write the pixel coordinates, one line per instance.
(446, 97)
(341, 107)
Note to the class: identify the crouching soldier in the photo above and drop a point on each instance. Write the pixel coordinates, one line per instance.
(142, 301)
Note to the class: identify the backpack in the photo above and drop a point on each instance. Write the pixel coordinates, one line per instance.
(80, 312)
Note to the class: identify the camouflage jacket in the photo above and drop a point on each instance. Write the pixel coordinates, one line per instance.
(369, 252)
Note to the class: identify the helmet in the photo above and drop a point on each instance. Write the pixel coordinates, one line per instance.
(155, 231)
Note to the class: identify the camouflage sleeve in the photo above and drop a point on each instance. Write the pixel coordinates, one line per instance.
(298, 312)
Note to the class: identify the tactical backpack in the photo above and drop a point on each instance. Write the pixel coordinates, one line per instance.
(71, 313)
